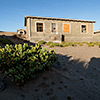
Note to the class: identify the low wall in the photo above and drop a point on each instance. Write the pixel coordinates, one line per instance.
(67, 38)
(78, 39)
(96, 37)
(49, 37)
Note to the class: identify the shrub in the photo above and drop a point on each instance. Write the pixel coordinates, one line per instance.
(91, 44)
(41, 42)
(80, 43)
(56, 44)
(72, 44)
(51, 45)
(60, 45)
(22, 62)
(97, 43)
(48, 43)
(64, 44)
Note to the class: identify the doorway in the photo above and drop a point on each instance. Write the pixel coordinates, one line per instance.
(63, 38)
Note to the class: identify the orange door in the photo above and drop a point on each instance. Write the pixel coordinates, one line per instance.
(66, 28)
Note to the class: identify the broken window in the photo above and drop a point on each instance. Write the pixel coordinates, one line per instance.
(83, 28)
(67, 28)
(39, 27)
(53, 27)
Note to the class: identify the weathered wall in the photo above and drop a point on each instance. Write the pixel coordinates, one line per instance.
(77, 36)
(96, 37)
(74, 36)
(27, 29)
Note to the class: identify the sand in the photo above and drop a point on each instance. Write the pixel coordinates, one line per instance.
(77, 77)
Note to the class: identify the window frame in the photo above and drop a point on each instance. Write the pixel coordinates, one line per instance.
(36, 26)
(69, 28)
(86, 29)
(56, 28)
(51, 27)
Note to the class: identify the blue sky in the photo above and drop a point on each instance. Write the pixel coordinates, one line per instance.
(12, 12)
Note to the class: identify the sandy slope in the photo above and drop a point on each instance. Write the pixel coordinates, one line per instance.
(7, 33)
(76, 78)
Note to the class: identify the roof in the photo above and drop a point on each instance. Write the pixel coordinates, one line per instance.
(61, 19)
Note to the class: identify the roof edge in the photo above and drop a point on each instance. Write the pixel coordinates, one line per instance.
(53, 18)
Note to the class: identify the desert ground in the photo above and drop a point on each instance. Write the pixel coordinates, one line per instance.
(77, 77)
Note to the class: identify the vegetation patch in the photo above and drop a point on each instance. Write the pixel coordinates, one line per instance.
(41, 42)
(48, 43)
(22, 62)
(66, 44)
(91, 44)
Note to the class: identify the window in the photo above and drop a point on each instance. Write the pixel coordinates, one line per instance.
(53, 27)
(39, 27)
(67, 28)
(83, 28)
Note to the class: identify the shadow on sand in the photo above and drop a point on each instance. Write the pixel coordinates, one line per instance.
(17, 39)
(77, 68)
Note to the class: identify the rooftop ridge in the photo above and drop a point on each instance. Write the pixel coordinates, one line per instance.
(54, 18)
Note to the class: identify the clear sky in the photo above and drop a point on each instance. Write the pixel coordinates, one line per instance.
(12, 12)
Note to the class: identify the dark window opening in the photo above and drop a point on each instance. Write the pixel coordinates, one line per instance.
(83, 28)
(39, 27)
(53, 27)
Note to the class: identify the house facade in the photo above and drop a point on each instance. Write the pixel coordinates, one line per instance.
(58, 29)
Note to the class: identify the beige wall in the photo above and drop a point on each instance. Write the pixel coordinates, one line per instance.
(75, 34)
(96, 37)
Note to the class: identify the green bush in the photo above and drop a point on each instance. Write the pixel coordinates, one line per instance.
(80, 43)
(22, 62)
(64, 44)
(5, 41)
(41, 42)
(56, 44)
(51, 45)
(72, 44)
(91, 44)
(60, 45)
(48, 43)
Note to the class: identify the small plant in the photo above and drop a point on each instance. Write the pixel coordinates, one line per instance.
(56, 44)
(91, 44)
(72, 44)
(51, 45)
(48, 43)
(65, 44)
(41, 42)
(97, 43)
(80, 43)
(60, 45)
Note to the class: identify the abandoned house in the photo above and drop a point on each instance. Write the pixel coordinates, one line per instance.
(58, 29)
